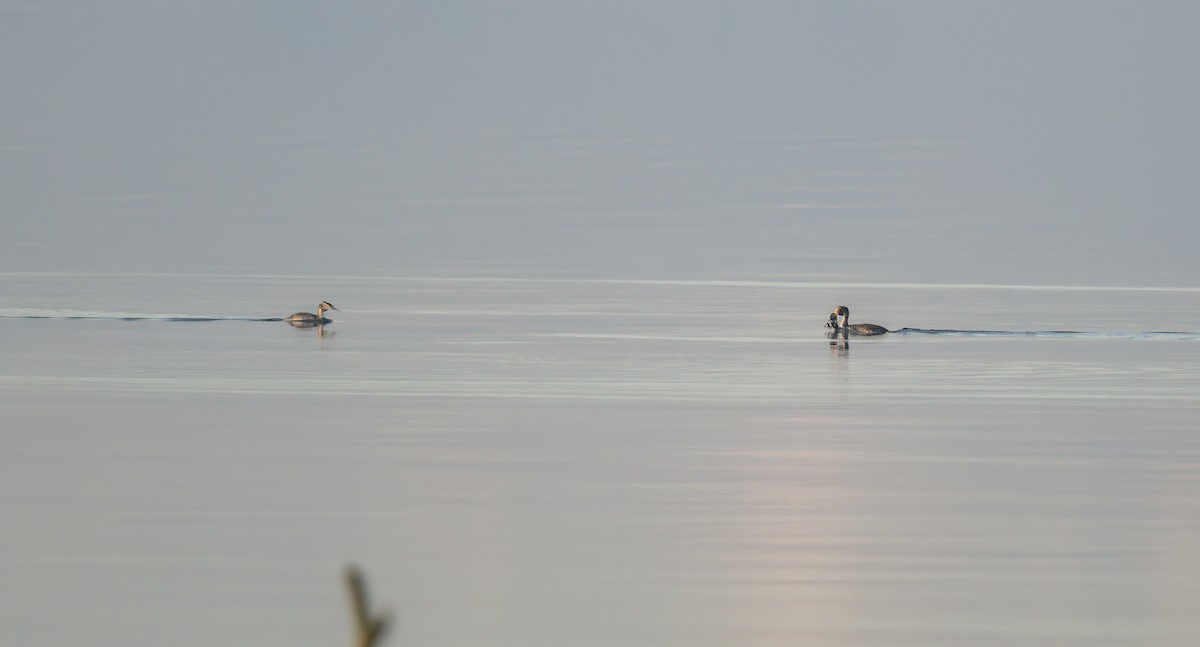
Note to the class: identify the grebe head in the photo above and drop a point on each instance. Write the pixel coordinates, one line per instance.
(842, 315)
(325, 305)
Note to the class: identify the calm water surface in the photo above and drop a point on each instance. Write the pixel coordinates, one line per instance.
(536, 460)
(578, 392)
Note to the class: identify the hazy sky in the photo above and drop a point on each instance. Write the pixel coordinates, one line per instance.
(1043, 142)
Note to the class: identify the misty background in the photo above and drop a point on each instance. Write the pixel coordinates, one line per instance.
(945, 142)
(578, 391)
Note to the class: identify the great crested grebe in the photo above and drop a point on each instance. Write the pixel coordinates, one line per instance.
(310, 318)
(839, 320)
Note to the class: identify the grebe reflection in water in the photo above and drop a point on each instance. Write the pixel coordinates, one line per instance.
(839, 321)
(306, 319)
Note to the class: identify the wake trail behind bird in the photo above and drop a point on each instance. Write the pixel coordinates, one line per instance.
(1156, 334)
(29, 313)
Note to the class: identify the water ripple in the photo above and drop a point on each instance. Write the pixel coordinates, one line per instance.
(35, 313)
(1154, 334)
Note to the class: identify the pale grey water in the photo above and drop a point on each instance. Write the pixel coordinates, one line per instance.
(574, 461)
(578, 393)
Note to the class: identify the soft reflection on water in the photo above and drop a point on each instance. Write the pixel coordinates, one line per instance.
(597, 462)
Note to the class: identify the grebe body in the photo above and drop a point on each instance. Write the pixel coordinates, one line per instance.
(839, 320)
(308, 318)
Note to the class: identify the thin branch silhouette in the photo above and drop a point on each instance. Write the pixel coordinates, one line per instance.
(368, 630)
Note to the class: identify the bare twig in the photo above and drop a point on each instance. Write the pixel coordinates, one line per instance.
(368, 630)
